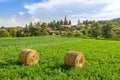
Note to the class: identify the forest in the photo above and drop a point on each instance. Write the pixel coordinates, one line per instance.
(107, 29)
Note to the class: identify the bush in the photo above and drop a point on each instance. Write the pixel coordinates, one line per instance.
(5, 34)
(115, 36)
(70, 34)
(79, 34)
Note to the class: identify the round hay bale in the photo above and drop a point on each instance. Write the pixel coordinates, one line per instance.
(74, 59)
(28, 56)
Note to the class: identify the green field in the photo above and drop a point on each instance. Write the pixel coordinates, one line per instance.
(102, 59)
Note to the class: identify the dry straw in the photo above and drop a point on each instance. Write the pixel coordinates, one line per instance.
(28, 56)
(74, 59)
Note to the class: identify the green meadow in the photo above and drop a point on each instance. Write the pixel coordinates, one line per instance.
(102, 59)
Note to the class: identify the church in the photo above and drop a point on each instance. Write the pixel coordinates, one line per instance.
(68, 23)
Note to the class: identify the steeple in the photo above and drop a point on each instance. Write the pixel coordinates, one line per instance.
(65, 20)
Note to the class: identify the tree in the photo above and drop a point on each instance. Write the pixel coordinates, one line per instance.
(95, 30)
(70, 22)
(53, 24)
(37, 29)
(85, 22)
(12, 31)
(4, 34)
(26, 31)
(58, 24)
(107, 29)
(19, 32)
(61, 22)
(43, 28)
(65, 21)
(31, 29)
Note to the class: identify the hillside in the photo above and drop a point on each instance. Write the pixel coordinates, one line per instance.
(116, 20)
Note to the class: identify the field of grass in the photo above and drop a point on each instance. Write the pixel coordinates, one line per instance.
(102, 59)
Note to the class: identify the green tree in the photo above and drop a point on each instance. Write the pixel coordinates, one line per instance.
(19, 32)
(95, 30)
(107, 29)
(43, 28)
(31, 28)
(61, 22)
(70, 22)
(58, 24)
(4, 34)
(65, 21)
(26, 31)
(53, 24)
(12, 31)
(37, 29)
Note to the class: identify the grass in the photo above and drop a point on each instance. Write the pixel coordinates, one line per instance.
(102, 59)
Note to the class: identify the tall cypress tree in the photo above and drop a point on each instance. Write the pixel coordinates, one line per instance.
(70, 22)
(61, 22)
(65, 21)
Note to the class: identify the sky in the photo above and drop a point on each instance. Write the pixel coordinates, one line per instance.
(21, 12)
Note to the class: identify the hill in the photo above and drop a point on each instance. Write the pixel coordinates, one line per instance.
(116, 20)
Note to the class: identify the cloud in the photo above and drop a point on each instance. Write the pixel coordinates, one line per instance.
(8, 22)
(13, 19)
(50, 4)
(75, 9)
(68, 11)
(35, 19)
(21, 13)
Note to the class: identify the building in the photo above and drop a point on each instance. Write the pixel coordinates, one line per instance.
(65, 23)
(79, 23)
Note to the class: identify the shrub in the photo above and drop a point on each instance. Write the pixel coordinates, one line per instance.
(5, 34)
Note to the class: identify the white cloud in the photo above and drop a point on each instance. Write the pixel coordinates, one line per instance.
(35, 19)
(21, 13)
(68, 11)
(49, 4)
(8, 22)
(13, 19)
(75, 9)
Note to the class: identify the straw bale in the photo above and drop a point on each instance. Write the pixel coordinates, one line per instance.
(74, 59)
(28, 56)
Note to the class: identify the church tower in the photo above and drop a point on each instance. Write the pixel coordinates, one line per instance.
(65, 20)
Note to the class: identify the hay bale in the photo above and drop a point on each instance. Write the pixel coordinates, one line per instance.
(28, 56)
(74, 59)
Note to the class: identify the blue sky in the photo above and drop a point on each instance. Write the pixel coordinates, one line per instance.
(21, 12)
